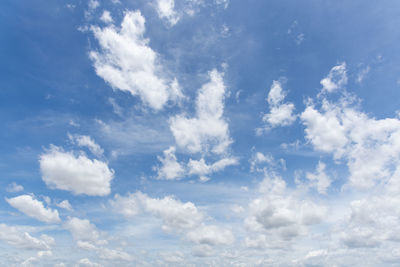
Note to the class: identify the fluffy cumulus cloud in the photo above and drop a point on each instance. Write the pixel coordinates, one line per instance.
(23, 240)
(166, 11)
(336, 79)
(86, 141)
(170, 168)
(370, 146)
(34, 208)
(177, 217)
(280, 215)
(201, 168)
(76, 173)
(280, 114)
(207, 130)
(319, 180)
(127, 63)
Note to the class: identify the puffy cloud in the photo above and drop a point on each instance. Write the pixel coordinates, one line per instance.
(14, 187)
(182, 218)
(370, 146)
(23, 240)
(83, 230)
(170, 169)
(207, 129)
(106, 17)
(86, 141)
(127, 63)
(86, 262)
(280, 114)
(78, 174)
(34, 208)
(279, 214)
(336, 79)
(201, 168)
(165, 10)
(65, 205)
(211, 235)
(319, 180)
(175, 215)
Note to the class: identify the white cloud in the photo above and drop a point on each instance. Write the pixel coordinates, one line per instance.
(106, 17)
(93, 4)
(14, 187)
(177, 217)
(86, 262)
(201, 168)
(86, 141)
(78, 174)
(211, 235)
(279, 215)
(83, 230)
(336, 79)
(319, 180)
(127, 63)
(208, 129)
(370, 146)
(170, 169)
(34, 208)
(165, 10)
(23, 240)
(65, 205)
(362, 74)
(280, 114)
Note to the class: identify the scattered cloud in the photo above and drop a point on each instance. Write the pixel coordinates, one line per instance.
(280, 114)
(127, 63)
(207, 129)
(75, 173)
(34, 208)
(14, 188)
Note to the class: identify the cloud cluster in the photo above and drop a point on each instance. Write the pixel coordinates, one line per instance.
(23, 240)
(184, 219)
(207, 131)
(76, 173)
(279, 215)
(280, 114)
(34, 208)
(127, 63)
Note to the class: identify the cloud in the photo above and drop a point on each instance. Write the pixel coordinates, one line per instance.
(370, 146)
(211, 235)
(65, 205)
(106, 17)
(177, 217)
(207, 129)
(78, 174)
(86, 141)
(279, 215)
(362, 74)
(170, 168)
(14, 188)
(336, 79)
(127, 63)
(83, 231)
(166, 11)
(201, 168)
(34, 208)
(23, 240)
(280, 114)
(319, 180)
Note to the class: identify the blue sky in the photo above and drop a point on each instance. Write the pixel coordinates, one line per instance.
(199, 133)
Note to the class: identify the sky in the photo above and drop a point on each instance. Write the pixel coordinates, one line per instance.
(199, 133)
